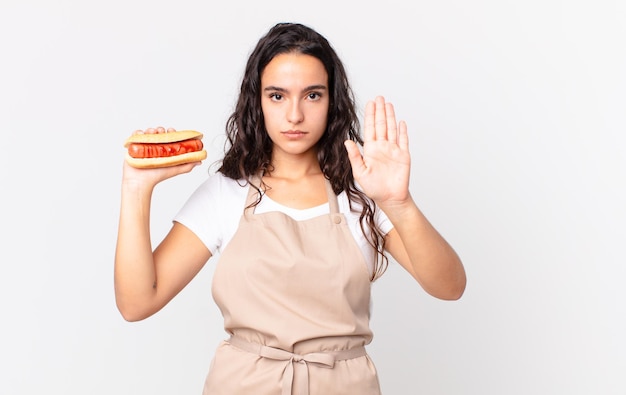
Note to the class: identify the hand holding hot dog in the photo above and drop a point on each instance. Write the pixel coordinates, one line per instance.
(162, 148)
(155, 154)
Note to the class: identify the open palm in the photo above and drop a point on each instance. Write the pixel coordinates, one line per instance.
(383, 168)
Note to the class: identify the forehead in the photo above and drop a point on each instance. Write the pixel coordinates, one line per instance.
(294, 70)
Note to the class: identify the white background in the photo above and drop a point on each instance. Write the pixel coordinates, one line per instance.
(516, 114)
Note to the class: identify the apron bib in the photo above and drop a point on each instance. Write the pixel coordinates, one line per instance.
(295, 296)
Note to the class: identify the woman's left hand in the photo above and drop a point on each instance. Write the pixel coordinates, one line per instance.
(382, 169)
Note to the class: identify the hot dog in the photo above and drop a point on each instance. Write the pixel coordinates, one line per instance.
(150, 150)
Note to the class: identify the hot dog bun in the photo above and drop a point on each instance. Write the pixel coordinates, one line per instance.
(152, 145)
(165, 161)
(168, 137)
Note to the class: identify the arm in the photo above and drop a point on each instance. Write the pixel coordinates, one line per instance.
(383, 171)
(145, 281)
(424, 253)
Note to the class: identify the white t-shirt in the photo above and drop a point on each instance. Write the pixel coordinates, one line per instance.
(213, 212)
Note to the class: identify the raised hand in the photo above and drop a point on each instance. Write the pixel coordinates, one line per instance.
(383, 168)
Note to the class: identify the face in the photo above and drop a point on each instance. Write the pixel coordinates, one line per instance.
(294, 100)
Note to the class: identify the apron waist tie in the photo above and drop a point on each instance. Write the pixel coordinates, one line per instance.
(298, 364)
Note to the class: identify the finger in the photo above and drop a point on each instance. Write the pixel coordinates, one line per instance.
(356, 160)
(369, 131)
(403, 136)
(160, 129)
(171, 130)
(381, 119)
(392, 129)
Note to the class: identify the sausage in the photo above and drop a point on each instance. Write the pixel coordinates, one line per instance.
(139, 150)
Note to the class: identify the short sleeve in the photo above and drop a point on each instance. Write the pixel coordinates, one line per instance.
(213, 210)
(383, 222)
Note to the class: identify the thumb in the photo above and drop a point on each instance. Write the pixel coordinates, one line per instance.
(354, 155)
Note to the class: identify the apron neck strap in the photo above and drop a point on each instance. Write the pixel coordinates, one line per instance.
(332, 198)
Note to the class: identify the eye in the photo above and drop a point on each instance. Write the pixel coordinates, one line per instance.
(314, 96)
(275, 96)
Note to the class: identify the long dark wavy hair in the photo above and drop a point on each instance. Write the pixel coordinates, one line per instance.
(248, 148)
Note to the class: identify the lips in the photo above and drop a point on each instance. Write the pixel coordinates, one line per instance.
(293, 134)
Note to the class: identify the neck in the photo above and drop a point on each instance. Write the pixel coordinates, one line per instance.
(294, 166)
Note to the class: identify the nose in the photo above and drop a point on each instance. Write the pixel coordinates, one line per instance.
(295, 114)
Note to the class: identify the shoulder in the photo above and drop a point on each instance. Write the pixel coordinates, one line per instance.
(212, 212)
(353, 213)
(218, 185)
(218, 195)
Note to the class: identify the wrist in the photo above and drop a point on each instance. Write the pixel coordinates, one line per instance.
(399, 209)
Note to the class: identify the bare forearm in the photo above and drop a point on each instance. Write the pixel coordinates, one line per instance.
(135, 274)
(428, 256)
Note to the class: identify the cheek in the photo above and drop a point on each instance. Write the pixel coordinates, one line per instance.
(268, 116)
(269, 119)
(322, 113)
(321, 117)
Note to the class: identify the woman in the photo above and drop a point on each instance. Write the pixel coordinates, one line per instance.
(302, 220)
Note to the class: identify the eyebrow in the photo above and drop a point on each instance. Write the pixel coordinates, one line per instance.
(308, 88)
